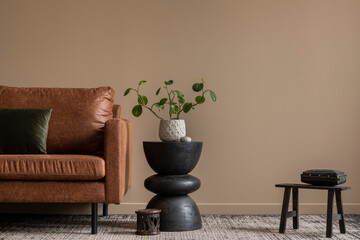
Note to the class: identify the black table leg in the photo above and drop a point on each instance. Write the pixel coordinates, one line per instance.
(295, 203)
(340, 210)
(105, 210)
(284, 210)
(330, 213)
(94, 215)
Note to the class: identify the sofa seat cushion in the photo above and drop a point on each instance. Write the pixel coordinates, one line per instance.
(51, 167)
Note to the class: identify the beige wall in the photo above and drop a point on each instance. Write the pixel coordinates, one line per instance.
(286, 74)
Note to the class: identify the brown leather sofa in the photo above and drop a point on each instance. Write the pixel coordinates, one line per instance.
(89, 150)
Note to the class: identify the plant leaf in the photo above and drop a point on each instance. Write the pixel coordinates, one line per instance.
(142, 100)
(181, 100)
(173, 103)
(197, 87)
(180, 95)
(169, 82)
(137, 110)
(159, 106)
(163, 101)
(187, 107)
(141, 82)
(202, 80)
(158, 91)
(213, 96)
(127, 91)
(174, 109)
(200, 99)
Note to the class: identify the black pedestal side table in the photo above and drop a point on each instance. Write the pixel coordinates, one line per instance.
(172, 161)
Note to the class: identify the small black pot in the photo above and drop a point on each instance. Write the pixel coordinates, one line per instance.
(172, 158)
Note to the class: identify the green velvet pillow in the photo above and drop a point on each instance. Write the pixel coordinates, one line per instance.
(24, 131)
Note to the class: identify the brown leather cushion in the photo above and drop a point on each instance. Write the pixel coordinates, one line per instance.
(51, 167)
(78, 117)
(52, 191)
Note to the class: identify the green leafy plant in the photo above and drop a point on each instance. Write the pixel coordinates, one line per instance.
(175, 100)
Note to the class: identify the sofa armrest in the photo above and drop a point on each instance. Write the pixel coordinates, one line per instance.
(116, 111)
(118, 157)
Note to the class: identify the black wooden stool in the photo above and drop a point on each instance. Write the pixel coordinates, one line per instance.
(295, 202)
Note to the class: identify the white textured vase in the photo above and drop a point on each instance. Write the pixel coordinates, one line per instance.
(172, 130)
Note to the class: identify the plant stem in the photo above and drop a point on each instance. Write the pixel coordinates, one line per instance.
(180, 110)
(170, 101)
(142, 103)
(203, 92)
(194, 104)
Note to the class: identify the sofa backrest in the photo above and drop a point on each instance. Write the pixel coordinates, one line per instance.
(78, 117)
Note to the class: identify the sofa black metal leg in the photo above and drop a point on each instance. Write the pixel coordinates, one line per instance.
(105, 209)
(94, 215)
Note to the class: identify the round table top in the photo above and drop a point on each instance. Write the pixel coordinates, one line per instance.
(148, 211)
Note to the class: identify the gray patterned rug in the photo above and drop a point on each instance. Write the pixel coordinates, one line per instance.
(215, 227)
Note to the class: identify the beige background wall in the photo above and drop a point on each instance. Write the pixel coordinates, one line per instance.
(286, 74)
